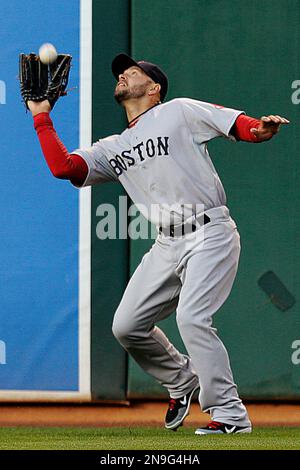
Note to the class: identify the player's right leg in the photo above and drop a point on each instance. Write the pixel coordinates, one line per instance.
(207, 276)
(151, 295)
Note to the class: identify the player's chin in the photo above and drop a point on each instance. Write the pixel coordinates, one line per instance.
(120, 95)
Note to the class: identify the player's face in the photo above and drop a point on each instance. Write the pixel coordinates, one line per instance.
(133, 83)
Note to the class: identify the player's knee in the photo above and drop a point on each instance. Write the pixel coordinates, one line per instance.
(120, 331)
(124, 331)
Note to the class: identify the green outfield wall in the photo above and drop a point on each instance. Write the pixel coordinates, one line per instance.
(109, 258)
(238, 54)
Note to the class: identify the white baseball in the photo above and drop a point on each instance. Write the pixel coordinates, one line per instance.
(47, 53)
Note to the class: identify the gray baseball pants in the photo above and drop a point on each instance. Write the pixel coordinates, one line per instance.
(194, 275)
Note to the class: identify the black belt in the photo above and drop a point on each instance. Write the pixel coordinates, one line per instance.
(188, 227)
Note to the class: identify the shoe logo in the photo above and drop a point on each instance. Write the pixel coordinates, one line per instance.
(230, 430)
(183, 401)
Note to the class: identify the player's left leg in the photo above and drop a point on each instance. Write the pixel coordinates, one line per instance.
(150, 296)
(207, 277)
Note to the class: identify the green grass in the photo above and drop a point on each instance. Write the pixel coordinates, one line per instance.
(144, 438)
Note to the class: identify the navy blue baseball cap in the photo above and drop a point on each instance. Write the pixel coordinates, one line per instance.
(122, 62)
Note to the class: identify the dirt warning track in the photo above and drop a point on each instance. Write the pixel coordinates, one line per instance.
(135, 414)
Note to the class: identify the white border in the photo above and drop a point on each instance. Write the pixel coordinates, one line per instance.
(84, 359)
(86, 43)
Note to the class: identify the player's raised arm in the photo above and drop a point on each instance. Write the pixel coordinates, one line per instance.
(61, 164)
(41, 86)
(42, 82)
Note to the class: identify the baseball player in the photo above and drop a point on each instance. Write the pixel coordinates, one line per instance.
(162, 161)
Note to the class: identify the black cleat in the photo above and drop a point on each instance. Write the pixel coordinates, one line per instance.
(214, 427)
(178, 410)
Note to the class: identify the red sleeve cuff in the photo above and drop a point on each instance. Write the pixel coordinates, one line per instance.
(242, 126)
(42, 118)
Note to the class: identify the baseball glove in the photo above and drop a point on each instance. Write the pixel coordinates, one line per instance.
(39, 82)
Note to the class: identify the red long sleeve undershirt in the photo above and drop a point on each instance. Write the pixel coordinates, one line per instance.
(61, 164)
(73, 167)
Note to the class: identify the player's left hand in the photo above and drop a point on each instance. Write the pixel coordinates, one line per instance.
(269, 126)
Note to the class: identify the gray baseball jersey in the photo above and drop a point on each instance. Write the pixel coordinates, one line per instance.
(162, 161)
